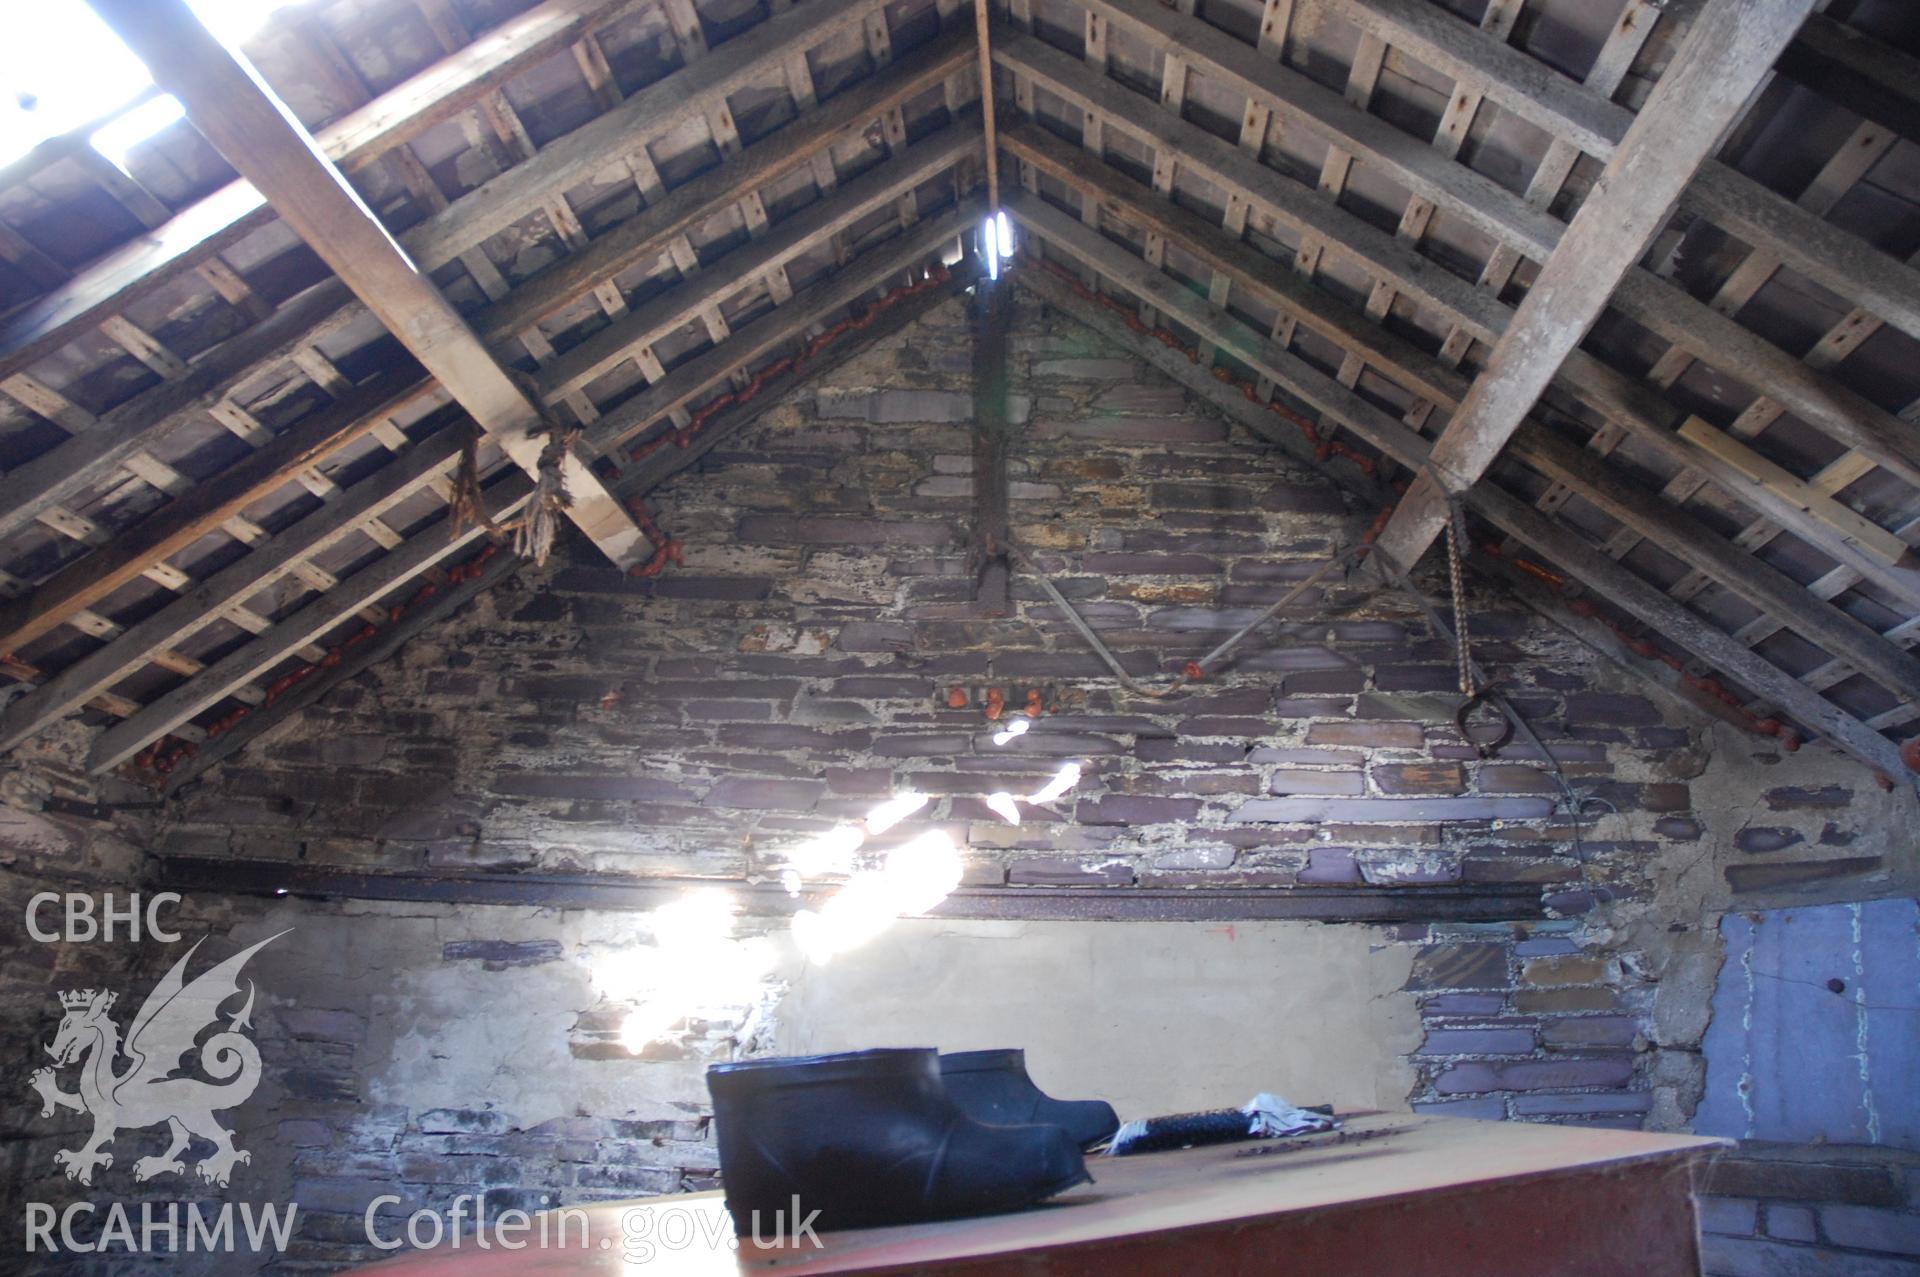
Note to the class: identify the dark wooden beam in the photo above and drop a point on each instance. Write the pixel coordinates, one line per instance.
(72, 467)
(1772, 592)
(664, 464)
(1588, 120)
(1298, 101)
(233, 108)
(760, 339)
(204, 602)
(1728, 52)
(989, 552)
(206, 506)
(1475, 902)
(649, 233)
(1629, 405)
(807, 229)
(103, 448)
(676, 100)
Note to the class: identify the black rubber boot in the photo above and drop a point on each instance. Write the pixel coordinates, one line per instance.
(870, 1138)
(993, 1086)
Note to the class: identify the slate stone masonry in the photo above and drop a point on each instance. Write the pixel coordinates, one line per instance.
(798, 669)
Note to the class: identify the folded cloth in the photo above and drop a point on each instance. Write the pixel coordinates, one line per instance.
(1265, 1116)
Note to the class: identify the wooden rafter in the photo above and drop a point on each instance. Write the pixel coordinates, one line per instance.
(119, 438)
(1587, 120)
(645, 326)
(673, 101)
(206, 507)
(1874, 80)
(732, 288)
(1729, 50)
(649, 233)
(683, 385)
(1511, 220)
(306, 625)
(1783, 233)
(704, 372)
(102, 446)
(201, 605)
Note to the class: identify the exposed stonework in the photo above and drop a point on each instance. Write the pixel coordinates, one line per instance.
(798, 669)
(60, 833)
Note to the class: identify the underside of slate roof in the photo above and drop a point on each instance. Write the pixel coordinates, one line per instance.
(226, 483)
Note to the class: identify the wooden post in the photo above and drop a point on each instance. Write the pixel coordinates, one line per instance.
(992, 432)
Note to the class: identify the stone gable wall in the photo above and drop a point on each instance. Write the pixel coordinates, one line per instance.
(798, 669)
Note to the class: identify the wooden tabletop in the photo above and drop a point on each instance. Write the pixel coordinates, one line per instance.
(1378, 1158)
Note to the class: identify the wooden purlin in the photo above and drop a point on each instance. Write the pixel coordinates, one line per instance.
(1508, 219)
(917, 71)
(385, 643)
(207, 506)
(103, 446)
(307, 624)
(1726, 55)
(650, 232)
(1833, 514)
(1783, 232)
(676, 100)
(201, 603)
(1895, 577)
(65, 469)
(1872, 79)
(706, 371)
(651, 322)
(684, 384)
(1567, 110)
(206, 689)
(664, 458)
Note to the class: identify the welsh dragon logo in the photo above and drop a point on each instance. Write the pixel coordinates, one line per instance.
(146, 1092)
